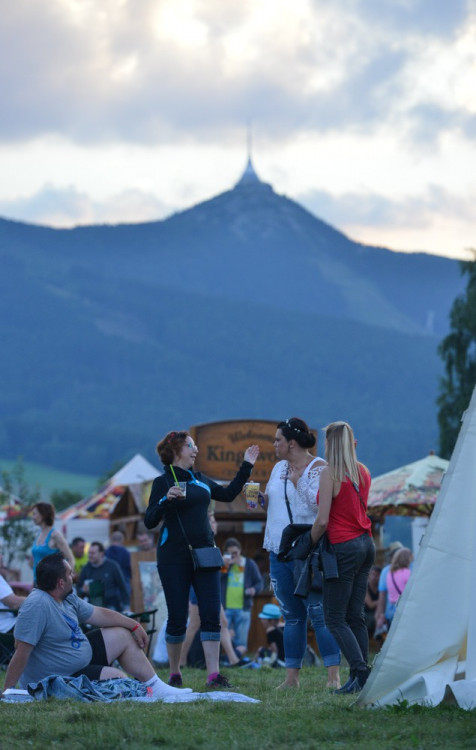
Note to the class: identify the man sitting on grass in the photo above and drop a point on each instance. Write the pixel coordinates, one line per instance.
(49, 640)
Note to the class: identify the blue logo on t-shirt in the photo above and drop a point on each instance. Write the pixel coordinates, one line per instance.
(77, 635)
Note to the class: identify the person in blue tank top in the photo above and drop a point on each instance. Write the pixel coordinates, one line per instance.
(49, 540)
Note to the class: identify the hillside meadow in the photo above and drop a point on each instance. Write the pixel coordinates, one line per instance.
(48, 479)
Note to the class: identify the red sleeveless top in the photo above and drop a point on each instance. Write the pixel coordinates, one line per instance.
(348, 518)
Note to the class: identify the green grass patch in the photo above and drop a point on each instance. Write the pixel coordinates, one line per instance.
(48, 479)
(293, 719)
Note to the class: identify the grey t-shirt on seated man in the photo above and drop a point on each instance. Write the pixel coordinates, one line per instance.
(60, 646)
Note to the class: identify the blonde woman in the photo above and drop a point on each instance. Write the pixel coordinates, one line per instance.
(342, 498)
(398, 575)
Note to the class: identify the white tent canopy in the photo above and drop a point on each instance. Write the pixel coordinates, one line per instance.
(430, 651)
(90, 517)
(136, 471)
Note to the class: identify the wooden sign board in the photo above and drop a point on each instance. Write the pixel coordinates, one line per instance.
(221, 446)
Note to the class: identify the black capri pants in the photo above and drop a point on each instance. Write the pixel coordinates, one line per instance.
(176, 580)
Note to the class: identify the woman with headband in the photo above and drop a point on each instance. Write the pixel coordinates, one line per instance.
(295, 481)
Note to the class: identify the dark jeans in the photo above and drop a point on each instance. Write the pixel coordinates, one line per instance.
(344, 599)
(176, 580)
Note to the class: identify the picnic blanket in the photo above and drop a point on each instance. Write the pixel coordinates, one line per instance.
(106, 691)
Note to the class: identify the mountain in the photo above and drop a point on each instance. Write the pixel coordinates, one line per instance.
(245, 305)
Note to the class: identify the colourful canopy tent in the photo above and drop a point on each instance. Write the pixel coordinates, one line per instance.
(10, 506)
(410, 490)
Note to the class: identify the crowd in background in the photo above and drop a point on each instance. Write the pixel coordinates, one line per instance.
(219, 605)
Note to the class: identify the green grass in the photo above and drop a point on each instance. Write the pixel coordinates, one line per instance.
(49, 479)
(285, 719)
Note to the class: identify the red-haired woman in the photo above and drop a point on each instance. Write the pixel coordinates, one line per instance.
(49, 539)
(189, 514)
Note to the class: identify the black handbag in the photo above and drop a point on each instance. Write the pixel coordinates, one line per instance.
(203, 558)
(295, 541)
(206, 557)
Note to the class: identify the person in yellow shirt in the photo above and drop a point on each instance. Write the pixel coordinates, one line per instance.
(79, 548)
(240, 582)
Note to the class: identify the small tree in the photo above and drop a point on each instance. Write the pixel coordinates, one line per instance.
(103, 479)
(458, 351)
(62, 499)
(16, 531)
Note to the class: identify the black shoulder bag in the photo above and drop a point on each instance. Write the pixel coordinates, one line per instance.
(298, 547)
(209, 558)
(203, 557)
(295, 541)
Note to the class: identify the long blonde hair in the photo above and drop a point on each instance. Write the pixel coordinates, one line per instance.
(340, 452)
(401, 559)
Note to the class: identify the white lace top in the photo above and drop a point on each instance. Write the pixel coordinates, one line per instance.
(301, 499)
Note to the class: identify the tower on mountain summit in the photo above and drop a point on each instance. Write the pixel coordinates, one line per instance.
(249, 178)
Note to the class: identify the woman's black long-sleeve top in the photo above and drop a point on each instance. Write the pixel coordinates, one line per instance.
(193, 510)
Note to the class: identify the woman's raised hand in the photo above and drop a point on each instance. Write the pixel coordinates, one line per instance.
(251, 454)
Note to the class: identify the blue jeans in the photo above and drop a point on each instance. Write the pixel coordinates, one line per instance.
(239, 621)
(344, 599)
(296, 612)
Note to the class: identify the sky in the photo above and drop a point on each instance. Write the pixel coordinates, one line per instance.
(363, 111)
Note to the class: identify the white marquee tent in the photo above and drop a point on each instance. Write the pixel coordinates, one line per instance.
(430, 652)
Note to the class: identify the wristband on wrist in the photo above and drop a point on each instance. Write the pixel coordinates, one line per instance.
(135, 627)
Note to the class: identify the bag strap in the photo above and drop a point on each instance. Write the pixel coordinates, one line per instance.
(286, 496)
(176, 511)
(288, 506)
(357, 489)
(180, 520)
(183, 530)
(395, 583)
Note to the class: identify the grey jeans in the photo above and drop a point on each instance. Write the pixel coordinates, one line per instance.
(344, 599)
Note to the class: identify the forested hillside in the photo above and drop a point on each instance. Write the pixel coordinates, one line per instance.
(244, 306)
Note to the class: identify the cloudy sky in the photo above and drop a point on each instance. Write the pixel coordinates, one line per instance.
(364, 111)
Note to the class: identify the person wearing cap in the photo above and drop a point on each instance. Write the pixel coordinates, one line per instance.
(270, 617)
(385, 610)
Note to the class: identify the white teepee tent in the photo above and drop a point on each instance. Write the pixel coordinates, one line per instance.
(430, 651)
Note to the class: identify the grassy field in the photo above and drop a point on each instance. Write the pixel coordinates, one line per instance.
(293, 719)
(48, 479)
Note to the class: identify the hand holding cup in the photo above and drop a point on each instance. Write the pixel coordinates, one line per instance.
(252, 494)
(178, 491)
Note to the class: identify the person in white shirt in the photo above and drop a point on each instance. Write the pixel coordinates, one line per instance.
(8, 600)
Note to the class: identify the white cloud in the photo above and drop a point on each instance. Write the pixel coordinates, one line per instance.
(67, 207)
(143, 71)
(353, 97)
